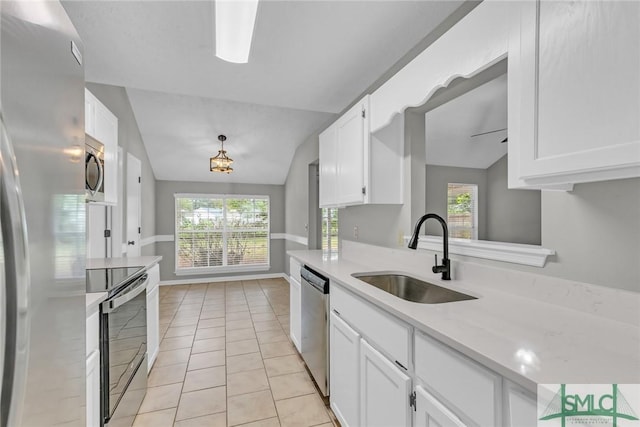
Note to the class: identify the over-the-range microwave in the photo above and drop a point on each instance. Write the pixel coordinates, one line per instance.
(94, 170)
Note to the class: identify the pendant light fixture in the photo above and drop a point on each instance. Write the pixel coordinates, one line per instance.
(221, 162)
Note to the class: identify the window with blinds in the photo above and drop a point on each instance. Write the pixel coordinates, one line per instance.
(330, 229)
(462, 210)
(215, 232)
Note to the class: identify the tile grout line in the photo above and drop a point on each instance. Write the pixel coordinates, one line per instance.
(247, 291)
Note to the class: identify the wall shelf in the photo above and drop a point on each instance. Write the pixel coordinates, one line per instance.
(516, 253)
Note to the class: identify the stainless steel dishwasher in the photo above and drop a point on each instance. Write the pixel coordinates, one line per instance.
(315, 326)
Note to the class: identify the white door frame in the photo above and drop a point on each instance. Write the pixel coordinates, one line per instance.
(134, 208)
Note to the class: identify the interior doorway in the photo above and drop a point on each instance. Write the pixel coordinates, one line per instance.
(314, 226)
(134, 196)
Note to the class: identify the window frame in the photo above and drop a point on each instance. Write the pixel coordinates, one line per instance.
(185, 271)
(328, 237)
(475, 195)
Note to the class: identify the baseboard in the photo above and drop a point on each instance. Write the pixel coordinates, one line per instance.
(223, 279)
(152, 359)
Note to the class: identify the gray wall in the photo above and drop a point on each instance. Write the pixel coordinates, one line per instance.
(504, 215)
(595, 231)
(165, 221)
(116, 100)
(438, 178)
(296, 189)
(512, 215)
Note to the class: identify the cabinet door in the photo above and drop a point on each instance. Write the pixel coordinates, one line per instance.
(295, 327)
(153, 326)
(107, 133)
(93, 389)
(344, 360)
(328, 168)
(521, 407)
(431, 413)
(350, 131)
(384, 391)
(579, 84)
(89, 113)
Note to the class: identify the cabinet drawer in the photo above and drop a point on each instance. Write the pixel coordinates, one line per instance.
(294, 269)
(387, 333)
(472, 391)
(93, 333)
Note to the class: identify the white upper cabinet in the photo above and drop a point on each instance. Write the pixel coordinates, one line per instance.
(478, 41)
(357, 167)
(578, 70)
(328, 168)
(573, 81)
(352, 133)
(102, 125)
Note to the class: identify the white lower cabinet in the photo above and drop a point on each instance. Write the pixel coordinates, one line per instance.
(93, 389)
(472, 391)
(153, 315)
(521, 407)
(92, 353)
(344, 378)
(435, 386)
(431, 413)
(295, 313)
(384, 390)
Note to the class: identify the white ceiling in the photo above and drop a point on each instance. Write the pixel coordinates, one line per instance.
(181, 134)
(448, 128)
(306, 55)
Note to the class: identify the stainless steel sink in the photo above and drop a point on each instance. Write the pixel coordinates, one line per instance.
(411, 289)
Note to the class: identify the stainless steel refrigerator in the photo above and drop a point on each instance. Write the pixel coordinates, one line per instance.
(42, 212)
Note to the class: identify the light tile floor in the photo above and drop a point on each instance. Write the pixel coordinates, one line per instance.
(226, 360)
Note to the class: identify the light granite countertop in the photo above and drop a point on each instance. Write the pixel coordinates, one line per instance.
(140, 261)
(512, 331)
(95, 298)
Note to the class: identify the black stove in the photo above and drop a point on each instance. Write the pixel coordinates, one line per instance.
(111, 280)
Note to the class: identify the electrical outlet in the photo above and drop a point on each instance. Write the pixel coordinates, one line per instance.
(355, 232)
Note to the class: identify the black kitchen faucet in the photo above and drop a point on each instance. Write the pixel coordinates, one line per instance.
(445, 268)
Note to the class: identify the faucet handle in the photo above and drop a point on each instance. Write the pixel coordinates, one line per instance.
(438, 268)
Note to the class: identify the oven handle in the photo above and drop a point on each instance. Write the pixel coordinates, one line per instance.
(111, 305)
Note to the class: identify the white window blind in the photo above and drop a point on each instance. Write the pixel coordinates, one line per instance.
(462, 210)
(330, 229)
(217, 232)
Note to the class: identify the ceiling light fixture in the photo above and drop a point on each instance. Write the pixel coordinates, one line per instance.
(235, 20)
(221, 162)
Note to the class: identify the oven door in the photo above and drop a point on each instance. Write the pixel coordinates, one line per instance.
(124, 345)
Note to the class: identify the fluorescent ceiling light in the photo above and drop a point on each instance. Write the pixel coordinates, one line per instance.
(235, 20)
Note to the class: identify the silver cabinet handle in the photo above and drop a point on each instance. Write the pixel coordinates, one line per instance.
(17, 284)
